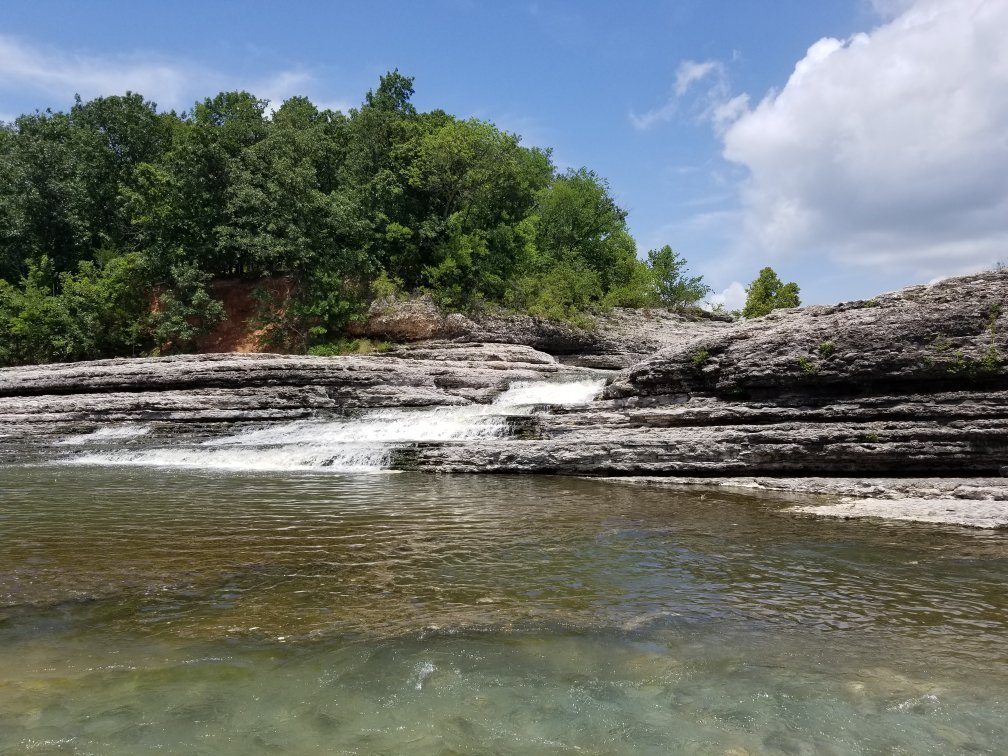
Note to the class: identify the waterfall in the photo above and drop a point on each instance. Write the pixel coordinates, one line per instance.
(110, 433)
(363, 444)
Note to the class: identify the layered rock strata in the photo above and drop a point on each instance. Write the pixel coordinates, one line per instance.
(40, 402)
(909, 383)
(610, 341)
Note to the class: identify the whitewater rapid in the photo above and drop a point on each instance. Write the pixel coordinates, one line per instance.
(364, 444)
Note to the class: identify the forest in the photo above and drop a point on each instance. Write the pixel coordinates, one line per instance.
(116, 219)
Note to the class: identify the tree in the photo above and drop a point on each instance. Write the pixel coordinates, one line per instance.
(393, 94)
(473, 184)
(768, 293)
(673, 288)
(579, 224)
(186, 311)
(115, 219)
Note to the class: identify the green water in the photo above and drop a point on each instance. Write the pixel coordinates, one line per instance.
(185, 612)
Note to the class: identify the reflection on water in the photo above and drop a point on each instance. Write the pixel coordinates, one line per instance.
(191, 611)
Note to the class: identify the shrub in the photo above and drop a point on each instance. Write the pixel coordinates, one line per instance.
(185, 311)
(699, 358)
(349, 346)
(768, 293)
(673, 288)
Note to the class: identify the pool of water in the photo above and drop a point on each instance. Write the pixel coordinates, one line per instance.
(146, 608)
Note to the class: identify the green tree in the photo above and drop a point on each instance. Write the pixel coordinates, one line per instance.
(185, 311)
(114, 219)
(579, 219)
(673, 288)
(768, 293)
(65, 174)
(99, 311)
(474, 185)
(109, 300)
(579, 240)
(393, 94)
(35, 324)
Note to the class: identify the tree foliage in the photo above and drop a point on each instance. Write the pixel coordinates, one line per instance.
(673, 288)
(115, 218)
(768, 293)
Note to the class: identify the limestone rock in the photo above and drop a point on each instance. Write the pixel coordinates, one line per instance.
(953, 333)
(609, 341)
(910, 383)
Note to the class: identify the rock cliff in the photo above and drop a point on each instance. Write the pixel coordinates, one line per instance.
(910, 383)
(612, 341)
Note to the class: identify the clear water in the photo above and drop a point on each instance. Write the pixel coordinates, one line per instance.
(146, 608)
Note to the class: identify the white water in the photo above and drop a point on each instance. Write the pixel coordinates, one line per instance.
(359, 445)
(110, 433)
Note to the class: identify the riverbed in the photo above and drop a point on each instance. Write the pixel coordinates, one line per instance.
(145, 607)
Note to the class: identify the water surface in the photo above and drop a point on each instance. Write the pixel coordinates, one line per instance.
(147, 608)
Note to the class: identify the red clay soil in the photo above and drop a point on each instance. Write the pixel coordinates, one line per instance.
(238, 331)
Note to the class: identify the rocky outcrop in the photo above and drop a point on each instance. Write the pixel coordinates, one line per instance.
(608, 341)
(952, 334)
(912, 383)
(42, 401)
(407, 320)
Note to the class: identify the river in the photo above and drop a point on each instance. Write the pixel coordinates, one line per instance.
(153, 603)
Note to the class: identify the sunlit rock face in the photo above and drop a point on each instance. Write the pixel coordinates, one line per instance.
(909, 383)
(951, 335)
(612, 340)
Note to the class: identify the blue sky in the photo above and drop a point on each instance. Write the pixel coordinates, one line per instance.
(854, 145)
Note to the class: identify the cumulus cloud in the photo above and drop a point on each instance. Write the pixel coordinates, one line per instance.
(35, 70)
(733, 297)
(888, 148)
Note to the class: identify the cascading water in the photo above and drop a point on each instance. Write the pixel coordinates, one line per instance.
(362, 444)
(111, 433)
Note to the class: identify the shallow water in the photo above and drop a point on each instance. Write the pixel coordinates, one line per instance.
(152, 608)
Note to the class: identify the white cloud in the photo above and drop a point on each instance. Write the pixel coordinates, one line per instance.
(731, 298)
(646, 120)
(890, 9)
(724, 112)
(34, 71)
(51, 72)
(280, 87)
(888, 148)
(688, 73)
(691, 71)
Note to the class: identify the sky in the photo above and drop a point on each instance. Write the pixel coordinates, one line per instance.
(856, 146)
